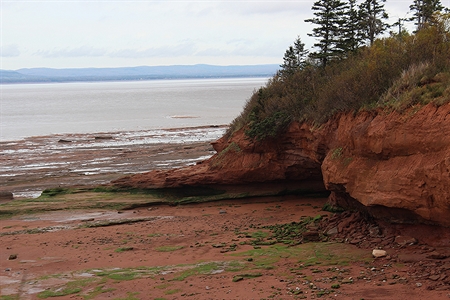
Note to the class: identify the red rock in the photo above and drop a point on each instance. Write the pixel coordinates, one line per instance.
(405, 240)
(392, 166)
(436, 255)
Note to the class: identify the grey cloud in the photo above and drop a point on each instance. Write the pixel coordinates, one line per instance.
(83, 51)
(9, 51)
(187, 48)
(244, 48)
(275, 7)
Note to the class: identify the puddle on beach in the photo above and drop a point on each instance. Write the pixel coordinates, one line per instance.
(64, 216)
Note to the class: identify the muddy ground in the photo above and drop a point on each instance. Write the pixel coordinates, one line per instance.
(64, 247)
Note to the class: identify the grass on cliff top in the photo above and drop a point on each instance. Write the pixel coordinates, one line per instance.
(395, 73)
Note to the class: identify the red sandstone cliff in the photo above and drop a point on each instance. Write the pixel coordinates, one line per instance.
(394, 166)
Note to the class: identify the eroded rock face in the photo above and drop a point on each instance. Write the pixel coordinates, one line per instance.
(296, 156)
(395, 161)
(393, 166)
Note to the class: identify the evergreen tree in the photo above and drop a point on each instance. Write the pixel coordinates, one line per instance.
(300, 52)
(290, 64)
(329, 18)
(372, 14)
(423, 11)
(352, 30)
(294, 58)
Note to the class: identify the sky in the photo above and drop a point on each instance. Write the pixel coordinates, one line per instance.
(127, 33)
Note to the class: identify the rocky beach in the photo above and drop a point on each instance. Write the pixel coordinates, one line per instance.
(30, 165)
(260, 244)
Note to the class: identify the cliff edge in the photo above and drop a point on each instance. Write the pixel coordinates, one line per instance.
(393, 166)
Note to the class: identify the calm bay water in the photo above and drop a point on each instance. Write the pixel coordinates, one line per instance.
(43, 109)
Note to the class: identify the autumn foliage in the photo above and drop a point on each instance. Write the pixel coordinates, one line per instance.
(396, 72)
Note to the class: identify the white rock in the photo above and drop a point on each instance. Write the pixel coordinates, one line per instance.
(378, 253)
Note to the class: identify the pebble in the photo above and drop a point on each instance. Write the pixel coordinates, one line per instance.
(379, 253)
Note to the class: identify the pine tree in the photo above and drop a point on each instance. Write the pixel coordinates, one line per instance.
(372, 16)
(423, 11)
(352, 30)
(300, 52)
(329, 18)
(290, 64)
(294, 58)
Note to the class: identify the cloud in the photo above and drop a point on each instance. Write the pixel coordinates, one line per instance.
(242, 47)
(10, 50)
(274, 7)
(83, 51)
(185, 48)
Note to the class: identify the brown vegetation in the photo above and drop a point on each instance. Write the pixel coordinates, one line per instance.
(395, 72)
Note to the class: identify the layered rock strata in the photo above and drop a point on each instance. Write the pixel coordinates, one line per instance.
(394, 166)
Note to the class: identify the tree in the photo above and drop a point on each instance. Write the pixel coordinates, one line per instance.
(423, 11)
(300, 52)
(294, 58)
(372, 16)
(352, 30)
(329, 18)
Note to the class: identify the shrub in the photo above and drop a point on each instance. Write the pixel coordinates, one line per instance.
(398, 71)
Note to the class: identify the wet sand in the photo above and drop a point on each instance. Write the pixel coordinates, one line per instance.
(33, 164)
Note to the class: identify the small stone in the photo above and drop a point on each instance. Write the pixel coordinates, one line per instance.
(12, 257)
(7, 269)
(378, 253)
(436, 255)
(418, 284)
(311, 236)
(332, 231)
(434, 277)
(237, 278)
(222, 212)
(403, 240)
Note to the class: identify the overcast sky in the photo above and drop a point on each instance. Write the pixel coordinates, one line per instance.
(78, 33)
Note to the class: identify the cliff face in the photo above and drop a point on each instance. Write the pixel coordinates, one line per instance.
(393, 166)
(396, 165)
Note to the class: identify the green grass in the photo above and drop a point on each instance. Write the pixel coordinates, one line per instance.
(309, 254)
(171, 292)
(9, 297)
(123, 249)
(59, 293)
(130, 296)
(208, 268)
(98, 290)
(169, 248)
(123, 276)
(259, 235)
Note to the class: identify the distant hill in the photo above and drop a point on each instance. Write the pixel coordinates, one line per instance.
(35, 75)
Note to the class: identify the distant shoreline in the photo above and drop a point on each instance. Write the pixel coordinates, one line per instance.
(129, 79)
(144, 73)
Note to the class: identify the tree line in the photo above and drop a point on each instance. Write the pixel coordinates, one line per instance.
(344, 26)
